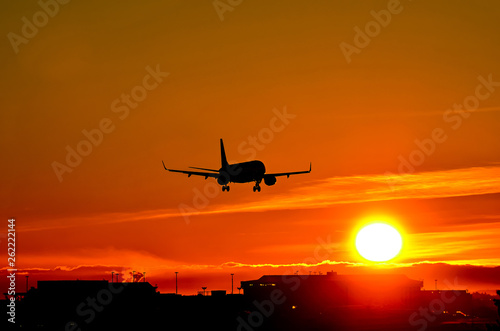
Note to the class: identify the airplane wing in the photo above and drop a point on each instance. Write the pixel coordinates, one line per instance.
(287, 174)
(196, 173)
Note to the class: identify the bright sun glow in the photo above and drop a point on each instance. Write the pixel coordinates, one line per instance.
(378, 242)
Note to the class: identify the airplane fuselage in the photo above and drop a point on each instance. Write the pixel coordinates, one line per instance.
(245, 172)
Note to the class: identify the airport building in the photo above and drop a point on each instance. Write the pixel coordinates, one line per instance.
(331, 289)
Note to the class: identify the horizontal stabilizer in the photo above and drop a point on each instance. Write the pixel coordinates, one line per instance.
(196, 173)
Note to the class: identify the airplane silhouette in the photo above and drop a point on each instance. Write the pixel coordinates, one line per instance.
(244, 172)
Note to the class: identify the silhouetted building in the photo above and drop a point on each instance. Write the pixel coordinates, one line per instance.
(218, 293)
(447, 300)
(337, 290)
(351, 302)
(87, 304)
(100, 305)
(272, 302)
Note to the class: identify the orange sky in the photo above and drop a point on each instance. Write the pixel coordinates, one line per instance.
(405, 128)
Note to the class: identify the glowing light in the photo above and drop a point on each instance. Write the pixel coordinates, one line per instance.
(378, 242)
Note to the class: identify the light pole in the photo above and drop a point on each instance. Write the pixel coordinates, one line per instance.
(176, 282)
(232, 283)
(112, 276)
(133, 277)
(27, 284)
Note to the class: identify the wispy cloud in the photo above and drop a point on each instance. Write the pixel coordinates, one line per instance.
(428, 113)
(461, 244)
(301, 266)
(366, 188)
(327, 192)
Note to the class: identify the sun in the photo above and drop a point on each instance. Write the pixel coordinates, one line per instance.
(378, 242)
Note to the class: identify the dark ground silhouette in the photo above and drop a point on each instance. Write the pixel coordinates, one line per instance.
(272, 302)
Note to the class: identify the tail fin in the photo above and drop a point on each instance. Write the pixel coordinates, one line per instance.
(223, 156)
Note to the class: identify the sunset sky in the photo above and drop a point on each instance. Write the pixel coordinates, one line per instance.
(396, 104)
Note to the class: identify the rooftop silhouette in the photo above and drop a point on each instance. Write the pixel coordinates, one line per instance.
(271, 302)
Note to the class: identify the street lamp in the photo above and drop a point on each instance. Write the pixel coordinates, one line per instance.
(176, 282)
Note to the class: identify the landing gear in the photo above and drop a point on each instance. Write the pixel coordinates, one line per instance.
(225, 188)
(256, 188)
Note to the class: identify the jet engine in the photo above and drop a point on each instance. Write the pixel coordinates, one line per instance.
(270, 180)
(222, 180)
